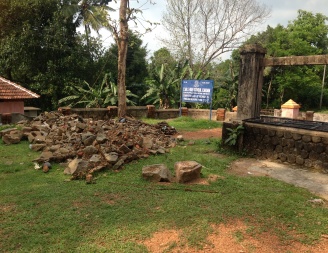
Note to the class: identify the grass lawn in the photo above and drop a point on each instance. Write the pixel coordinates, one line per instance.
(47, 213)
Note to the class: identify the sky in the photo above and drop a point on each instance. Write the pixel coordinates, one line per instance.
(282, 11)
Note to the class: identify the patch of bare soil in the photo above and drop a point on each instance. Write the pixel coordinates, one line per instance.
(230, 238)
(202, 134)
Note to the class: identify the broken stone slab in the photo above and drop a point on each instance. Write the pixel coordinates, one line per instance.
(88, 139)
(157, 173)
(37, 147)
(112, 157)
(12, 137)
(161, 150)
(124, 149)
(101, 138)
(147, 142)
(120, 162)
(78, 168)
(45, 156)
(90, 150)
(95, 158)
(186, 171)
(6, 131)
(54, 148)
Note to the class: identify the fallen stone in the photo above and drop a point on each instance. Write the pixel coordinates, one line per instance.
(95, 158)
(161, 150)
(101, 138)
(180, 138)
(89, 179)
(316, 201)
(147, 142)
(157, 173)
(124, 149)
(89, 140)
(37, 147)
(12, 136)
(90, 150)
(186, 171)
(111, 157)
(46, 167)
(80, 170)
(6, 131)
(45, 156)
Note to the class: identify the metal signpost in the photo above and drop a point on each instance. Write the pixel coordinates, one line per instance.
(197, 91)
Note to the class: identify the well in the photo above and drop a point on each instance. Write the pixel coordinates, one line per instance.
(300, 142)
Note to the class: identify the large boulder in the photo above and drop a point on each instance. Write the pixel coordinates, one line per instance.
(157, 173)
(186, 171)
(13, 136)
(77, 168)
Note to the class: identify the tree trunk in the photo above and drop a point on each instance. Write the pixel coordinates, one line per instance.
(122, 52)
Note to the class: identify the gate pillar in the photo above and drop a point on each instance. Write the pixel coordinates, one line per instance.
(250, 81)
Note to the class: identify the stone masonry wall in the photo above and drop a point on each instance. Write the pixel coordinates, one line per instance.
(295, 146)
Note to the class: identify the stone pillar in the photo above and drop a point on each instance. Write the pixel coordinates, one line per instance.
(309, 115)
(250, 81)
(184, 111)
(65, 110)
(220, 114)
(113, 111)
(151, 111)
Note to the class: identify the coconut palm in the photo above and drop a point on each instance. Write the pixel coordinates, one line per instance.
(92, 14)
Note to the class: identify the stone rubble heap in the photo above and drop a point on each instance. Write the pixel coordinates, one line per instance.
(90, 146)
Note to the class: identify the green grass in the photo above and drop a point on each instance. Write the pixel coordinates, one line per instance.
(188, 124)
(45, 213)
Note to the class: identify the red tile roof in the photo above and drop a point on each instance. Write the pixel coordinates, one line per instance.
(10, 90)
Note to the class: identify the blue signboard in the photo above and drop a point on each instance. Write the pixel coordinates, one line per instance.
(197, 91)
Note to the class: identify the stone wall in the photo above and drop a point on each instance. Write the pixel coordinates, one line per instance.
(320, 117)
(305, 148)
(146, 112)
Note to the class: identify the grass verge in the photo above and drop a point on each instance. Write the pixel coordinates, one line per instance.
(188, 124)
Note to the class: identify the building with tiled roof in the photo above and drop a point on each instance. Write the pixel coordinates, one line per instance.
(12, 97)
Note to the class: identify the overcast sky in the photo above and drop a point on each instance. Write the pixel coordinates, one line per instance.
(282, 11)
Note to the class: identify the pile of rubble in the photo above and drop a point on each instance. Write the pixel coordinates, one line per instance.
(89, 146)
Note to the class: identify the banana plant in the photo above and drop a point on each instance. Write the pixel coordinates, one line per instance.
(98, 96)
(163, 88)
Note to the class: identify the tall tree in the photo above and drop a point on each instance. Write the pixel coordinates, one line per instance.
(120, 31)
(92, 14)
(306, 35)
(136, 64)
(201, 31)
(42, 51)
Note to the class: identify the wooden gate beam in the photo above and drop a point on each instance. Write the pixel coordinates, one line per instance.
(296, 60)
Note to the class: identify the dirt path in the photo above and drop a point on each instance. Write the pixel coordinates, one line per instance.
(202, 134)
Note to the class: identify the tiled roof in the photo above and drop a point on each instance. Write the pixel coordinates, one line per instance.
(10, 90)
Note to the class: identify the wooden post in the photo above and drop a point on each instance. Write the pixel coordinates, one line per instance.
(250, 81)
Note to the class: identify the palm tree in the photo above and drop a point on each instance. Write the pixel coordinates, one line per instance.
(92, 14)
